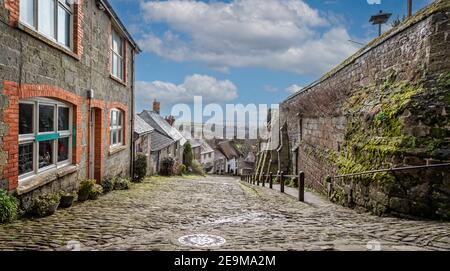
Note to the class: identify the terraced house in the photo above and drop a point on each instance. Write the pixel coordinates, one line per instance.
(66, 94)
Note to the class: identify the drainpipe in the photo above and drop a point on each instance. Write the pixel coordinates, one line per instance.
(132, 115)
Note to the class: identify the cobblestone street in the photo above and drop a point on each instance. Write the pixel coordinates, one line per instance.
(154, 214)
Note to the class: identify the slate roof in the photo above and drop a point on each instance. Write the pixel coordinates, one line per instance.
(229, 150)
(159, 141)
(141, 127)
(206, 148)
(195, 143)
(160, 124)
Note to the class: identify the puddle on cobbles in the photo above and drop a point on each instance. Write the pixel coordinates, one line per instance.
(202, 240)
(246, 217)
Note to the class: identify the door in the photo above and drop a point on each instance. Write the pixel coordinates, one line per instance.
(92, 145)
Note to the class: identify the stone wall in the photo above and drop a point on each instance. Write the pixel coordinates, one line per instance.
(384, 107)
(28, 58)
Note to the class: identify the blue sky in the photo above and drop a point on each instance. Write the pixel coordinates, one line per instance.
(243, 51)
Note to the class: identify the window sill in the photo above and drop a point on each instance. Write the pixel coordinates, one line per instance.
(36, 181)
(115, 150)
(48, 41)
(118, 80)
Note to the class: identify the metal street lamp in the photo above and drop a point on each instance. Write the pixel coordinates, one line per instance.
(379, 19)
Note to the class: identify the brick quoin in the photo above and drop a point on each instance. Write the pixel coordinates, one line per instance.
(15, 92)
(78, 28)
(13, 6)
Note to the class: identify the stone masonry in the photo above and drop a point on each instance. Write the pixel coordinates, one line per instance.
(32, 65)
(386, 106)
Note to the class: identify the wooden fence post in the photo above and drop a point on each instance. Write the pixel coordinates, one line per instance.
(270, 180)
(282, 182)
(301, 186)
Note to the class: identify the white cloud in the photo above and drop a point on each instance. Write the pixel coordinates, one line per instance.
(293, 88)
(284, 35)
(374, 2)
(211, 89)
(270, 88)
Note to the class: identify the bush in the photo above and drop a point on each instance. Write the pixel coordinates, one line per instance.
(45, 205)
(140, 167)
(122, 184)
(179, 169)
(188, 155)
(8, 207)
(107, 184)
(197, 168)
(166, 166)
(96, 191)
(85, 189)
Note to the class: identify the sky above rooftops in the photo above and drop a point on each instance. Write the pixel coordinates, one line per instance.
(243, 51)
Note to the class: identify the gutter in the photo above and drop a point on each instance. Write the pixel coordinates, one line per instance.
(109, 9)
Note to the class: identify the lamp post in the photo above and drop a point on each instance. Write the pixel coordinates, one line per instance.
(379, 19)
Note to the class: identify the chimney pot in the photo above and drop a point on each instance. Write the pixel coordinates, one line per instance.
(156, 106)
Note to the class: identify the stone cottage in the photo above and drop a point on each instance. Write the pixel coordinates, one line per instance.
(226, 157)
(142, 140)
(66, 95)
(385, 108)
(166, 140)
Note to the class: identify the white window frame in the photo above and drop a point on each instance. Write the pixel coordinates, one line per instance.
(35, 26)
(32, 138)
(120, 56)
(119, 127)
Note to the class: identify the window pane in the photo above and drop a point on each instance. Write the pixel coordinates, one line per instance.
(27, 11)
(113, 118)
(116, 43)
(46, 115)
(63, 149)
(115, 61)
(46, 15)
(46, 153)
(120, 68)
(114, 137)
(25, 158)
(119, 140)
(63, 119)
(63, 26)
(26, 118)
(119, 118)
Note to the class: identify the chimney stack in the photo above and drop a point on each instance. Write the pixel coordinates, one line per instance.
(156, 106)
(170, 120)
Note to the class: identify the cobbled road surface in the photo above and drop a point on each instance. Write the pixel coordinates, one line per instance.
(153, 215)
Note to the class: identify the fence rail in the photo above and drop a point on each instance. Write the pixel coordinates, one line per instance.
(390, 170)
(263, 179)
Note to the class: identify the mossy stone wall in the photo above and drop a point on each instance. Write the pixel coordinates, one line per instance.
(388, 107)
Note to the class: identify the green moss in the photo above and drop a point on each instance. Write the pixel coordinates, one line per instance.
(375, 132)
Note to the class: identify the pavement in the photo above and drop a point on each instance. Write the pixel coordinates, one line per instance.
(217, 213)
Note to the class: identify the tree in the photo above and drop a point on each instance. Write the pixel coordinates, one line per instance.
(188, 155)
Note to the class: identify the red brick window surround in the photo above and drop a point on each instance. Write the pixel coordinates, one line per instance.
(64, 31)
(20, 93)
(115, 127)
